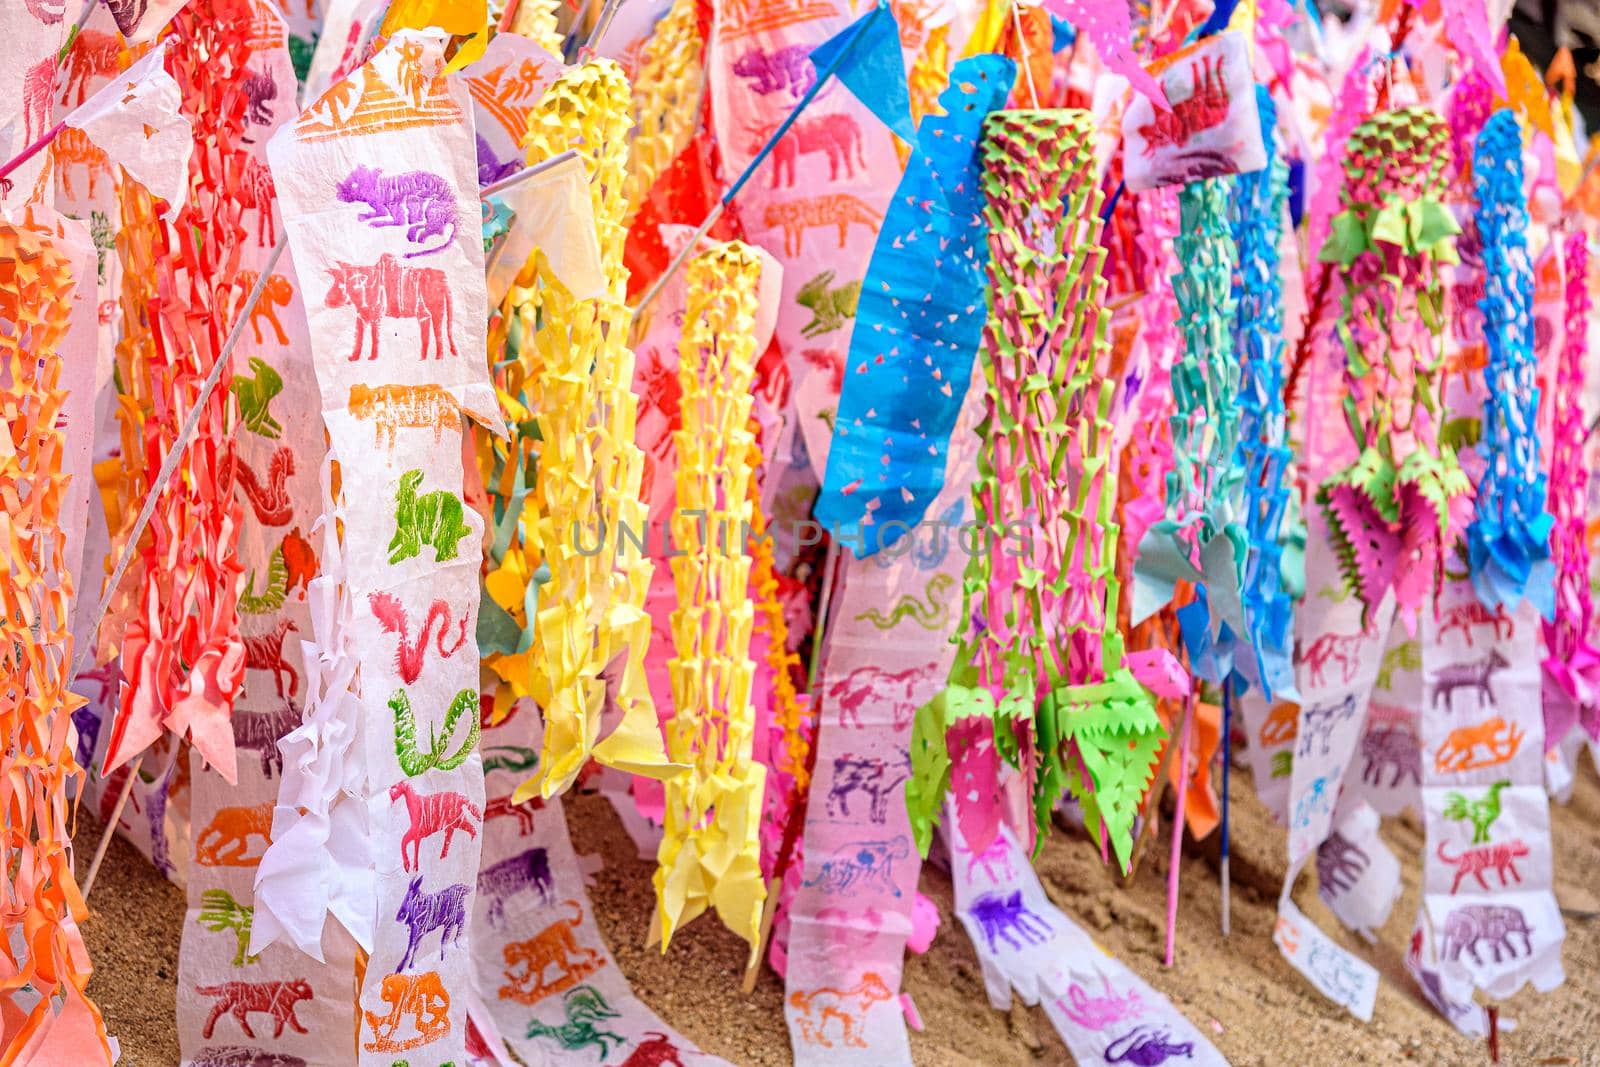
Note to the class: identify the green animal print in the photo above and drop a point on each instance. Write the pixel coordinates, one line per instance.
(413, 762)
(932, 615)
(513, 758)
(255, 395)
(271, 598)
(220, 913)
(829, 307)
(1463, 431)
(1481, 812)
(434, 519)
(1406, 656)
(301, 49)
(104, 240)
(584, 1007)
(1338, 592)
(1283, 763)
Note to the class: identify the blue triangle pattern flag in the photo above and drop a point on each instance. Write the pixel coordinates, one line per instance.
(866, 57)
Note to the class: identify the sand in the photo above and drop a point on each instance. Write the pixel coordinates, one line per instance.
(1255, 1008)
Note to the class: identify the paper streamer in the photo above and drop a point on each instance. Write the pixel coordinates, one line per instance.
(666, 91)
(906, 375)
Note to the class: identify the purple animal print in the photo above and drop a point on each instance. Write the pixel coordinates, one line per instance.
(1317, 724)
(1008, 919)
(868, 865)
(261, 91)
(87, 721)
(127, 14)
(1147, 1046)
(511, 876)
(239, 1056)
(1478, 675)
(1467, 926)
(877, 778)
(1394, 745)
(420, 201)
(259, 731)
(424, 913)
(490, 167)
(156, 811)
(1340, 865)
(787, 68)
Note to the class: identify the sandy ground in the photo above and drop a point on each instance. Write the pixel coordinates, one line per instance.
(1256, 1009)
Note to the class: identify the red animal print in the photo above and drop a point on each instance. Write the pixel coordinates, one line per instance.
(386, 290)
(299, 561)
(1206, 107)
(264, 652)
(433, 813)
(1465, 616)
(257, 193)
(1329, 647)
(241, 999)
(38, 92)
(93, 55)
(1501, 858)
(269, 500)
(73, 149)
(391, 615)
(830, 361)
(869, 683)
(836, 136)
(502, 808)
(654, 1051)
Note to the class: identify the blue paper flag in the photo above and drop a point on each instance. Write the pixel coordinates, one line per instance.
(866, 57)
(918, 324)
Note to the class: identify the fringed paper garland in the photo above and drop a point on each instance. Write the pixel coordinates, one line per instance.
(666, 97)
(710, 853)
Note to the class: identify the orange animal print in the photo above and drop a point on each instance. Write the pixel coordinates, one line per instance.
(742, 18)
(839, 209)
(276, 294)
(72, 148)
(1282, 725)
(848, 1007)
(299, 561)
(38, 92)
(386, 290)
(1488, 744)
(375, 106)
(508, 97)
(420, 997)
(554, 946)
(240, 999)
(256, 193)
(414, 407)
(94, 54)
(836, 136)
(1466, 362)
(225, 842)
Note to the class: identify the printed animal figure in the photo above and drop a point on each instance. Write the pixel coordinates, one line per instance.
(72, 148)
(1482, 812)
(838, 209)
(1319, 723)
(1395, 745)
(502, 808)
(1099, 1012)
(783, 68)
(871, 776)
(1467, 615)
(94, 55)
(529, 963)
(836, 136)
(1470, 925)
(1488, 744)
(433, 813)
(420, 997)
(869, 683)
(48, 12)
(424, 913)
(513, 758)
(86, 720)
(654, 1051)
(259, 731)
(1329, 647)
(270, 500)
(414, 761)
(392, 407)
(391, 615)
(490, 168)
(1501, 858)
(220, 913)
(1340, 864)
(239, 1056)
(931, 613)
(1338, 979)
(867, 863)
(386, 290)
(847, 1007)
(1147, 1046)
(243, 999)
(264, 652)
(127, 14)
(420, 201)
(255, 395)
(1314, 801)
(257, 193)
(299, 561)
(38, 95)
(530, 869)
(1477, 676)
(1406, 656)
(1009, 919)
(998, 854)
(225, 841)
(277, 293)
(585, 1009)
(1281, 725)
(261, 91)
(1205, 108)
(830, 307)
(271, 598)
(434, 519)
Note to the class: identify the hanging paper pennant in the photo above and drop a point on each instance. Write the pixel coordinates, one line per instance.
(866, 59)
(1212, 127)
(1108, 29)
